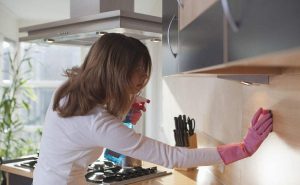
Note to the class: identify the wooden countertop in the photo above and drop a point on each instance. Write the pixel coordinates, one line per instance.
(13, 168)
(200, 176)
(286, 61)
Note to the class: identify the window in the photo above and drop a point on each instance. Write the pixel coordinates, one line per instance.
(48, 65)
(7, 46)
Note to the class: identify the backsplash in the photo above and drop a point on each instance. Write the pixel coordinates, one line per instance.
(277, 162)
(223, 110)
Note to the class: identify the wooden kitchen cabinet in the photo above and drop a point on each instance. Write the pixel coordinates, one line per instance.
(170, 31)
(201, 41)
(264, 27)
(199, 44)
(267, 41)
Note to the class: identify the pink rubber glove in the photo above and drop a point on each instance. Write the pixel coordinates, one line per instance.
(137, 107)
(261, 126)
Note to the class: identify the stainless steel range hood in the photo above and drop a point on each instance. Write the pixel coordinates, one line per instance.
(108, 16)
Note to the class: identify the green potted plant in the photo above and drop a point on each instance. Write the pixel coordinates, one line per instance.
(15, 96)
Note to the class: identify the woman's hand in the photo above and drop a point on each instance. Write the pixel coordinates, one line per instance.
(261, 126)
(136, 110)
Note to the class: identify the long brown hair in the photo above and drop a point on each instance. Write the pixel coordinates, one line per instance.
(103, 78)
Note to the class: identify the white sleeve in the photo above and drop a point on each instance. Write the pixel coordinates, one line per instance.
(108, 131)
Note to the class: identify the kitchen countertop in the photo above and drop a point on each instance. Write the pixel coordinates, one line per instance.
(199, 176)
(11, 168)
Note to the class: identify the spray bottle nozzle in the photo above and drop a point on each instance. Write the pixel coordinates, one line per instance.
(140, 99)
(139, 103)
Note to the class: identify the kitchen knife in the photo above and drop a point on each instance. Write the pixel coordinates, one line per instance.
(186, 135)
(176, 123)
(180, 138)
(184, 131)
(176, 138)
(184, 119)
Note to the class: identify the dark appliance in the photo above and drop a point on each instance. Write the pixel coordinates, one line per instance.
(107, 173)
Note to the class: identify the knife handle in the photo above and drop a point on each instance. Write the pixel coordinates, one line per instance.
(186, 137)
(176, 138)
(176, 123)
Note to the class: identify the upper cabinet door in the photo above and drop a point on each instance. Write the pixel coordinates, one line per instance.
(201, 39)
(264, 27)
(170, 40)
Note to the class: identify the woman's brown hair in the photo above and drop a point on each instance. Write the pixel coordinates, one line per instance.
(104, 77)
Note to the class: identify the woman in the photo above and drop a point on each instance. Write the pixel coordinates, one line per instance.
(86, 116)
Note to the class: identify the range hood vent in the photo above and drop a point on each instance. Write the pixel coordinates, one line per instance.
(105, 16)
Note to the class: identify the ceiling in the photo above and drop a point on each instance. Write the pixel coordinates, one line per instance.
(29, 12)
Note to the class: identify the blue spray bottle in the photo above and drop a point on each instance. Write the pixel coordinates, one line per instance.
(137, 106)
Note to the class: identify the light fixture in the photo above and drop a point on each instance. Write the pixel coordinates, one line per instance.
(246, 83)
(156, 40)
(49, 40)
(101, 33)
(246, 79)
(63, 33)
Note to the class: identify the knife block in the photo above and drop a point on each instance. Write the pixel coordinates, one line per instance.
(192, 144)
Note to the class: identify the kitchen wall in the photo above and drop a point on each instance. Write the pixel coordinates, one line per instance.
(8, 24)
(277, 162)
(8, 28)
(223, 109)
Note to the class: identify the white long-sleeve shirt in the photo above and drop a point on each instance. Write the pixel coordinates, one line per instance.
(70, 144)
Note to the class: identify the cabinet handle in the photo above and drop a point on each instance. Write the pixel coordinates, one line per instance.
(180, 3)
(228, 16)
(168, 36)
